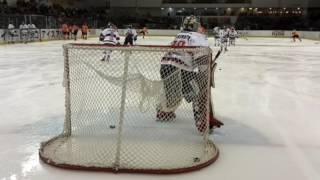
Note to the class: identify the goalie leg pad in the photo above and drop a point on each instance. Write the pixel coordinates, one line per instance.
(199, 106)
(172, 86)
(190, 87)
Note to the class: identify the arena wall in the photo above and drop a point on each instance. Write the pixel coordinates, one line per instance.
(42, 35)
(55, 34)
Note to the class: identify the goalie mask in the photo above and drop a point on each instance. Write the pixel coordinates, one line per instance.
(191, 23)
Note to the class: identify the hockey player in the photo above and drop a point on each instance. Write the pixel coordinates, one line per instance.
(11, 33)
(65, 31)
(75, 30)
(216, 36)
(32, 31)
(224, 38)
(131, 36)
(70, 28)
(84, 31)
(181, 76)
(232, 36)
(144, 31)
(109, 36)
(135, 36)
(295, 36)
(24, 31)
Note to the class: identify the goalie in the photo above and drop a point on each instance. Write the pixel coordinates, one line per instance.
(183, 77)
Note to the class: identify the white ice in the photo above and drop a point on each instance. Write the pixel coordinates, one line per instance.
(267, 94)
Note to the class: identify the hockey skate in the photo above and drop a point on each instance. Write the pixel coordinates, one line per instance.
(213, 124)
(106, 58)
(202, 123)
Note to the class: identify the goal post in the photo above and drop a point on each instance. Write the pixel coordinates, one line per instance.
(132, 113)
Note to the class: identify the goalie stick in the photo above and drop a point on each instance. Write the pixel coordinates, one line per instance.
(3, 35)
(215, 58)
(213, 122)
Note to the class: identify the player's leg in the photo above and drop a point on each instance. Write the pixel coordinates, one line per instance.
(233, 41)
(75, 35)
(143, 34)
(126, 41)
(194, 89)
(12, 35)
(7, 37)
(31, 35)
(21, 36)
(24, 37)
(135, 38)
(294, 38)
(224, 44)
(171, 78)
(131, 41)
(106, 55)
(109, 55)
(199, 112)
(201, 96)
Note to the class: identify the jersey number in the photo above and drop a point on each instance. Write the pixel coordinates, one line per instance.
(179, 43)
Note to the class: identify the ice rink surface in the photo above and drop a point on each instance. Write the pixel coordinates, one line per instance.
(267, 94)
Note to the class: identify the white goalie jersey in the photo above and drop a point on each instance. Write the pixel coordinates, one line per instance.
(185, 60)
(109, 36)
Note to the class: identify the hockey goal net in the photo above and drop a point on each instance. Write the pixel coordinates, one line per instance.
(129, 113)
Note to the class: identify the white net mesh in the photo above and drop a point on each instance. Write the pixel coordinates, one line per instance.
(130, 113)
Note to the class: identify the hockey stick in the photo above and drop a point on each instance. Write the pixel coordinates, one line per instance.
(217, 55)
(4, 34)
(213, 122)
(215, 58)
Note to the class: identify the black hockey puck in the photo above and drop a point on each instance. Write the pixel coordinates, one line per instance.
(112, 126)
(196, 159)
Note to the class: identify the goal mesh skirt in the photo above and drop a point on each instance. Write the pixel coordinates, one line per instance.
(128, 110)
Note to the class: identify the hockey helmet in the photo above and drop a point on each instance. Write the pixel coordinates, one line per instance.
(110, 25)
(216, 29)
(191, 23)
